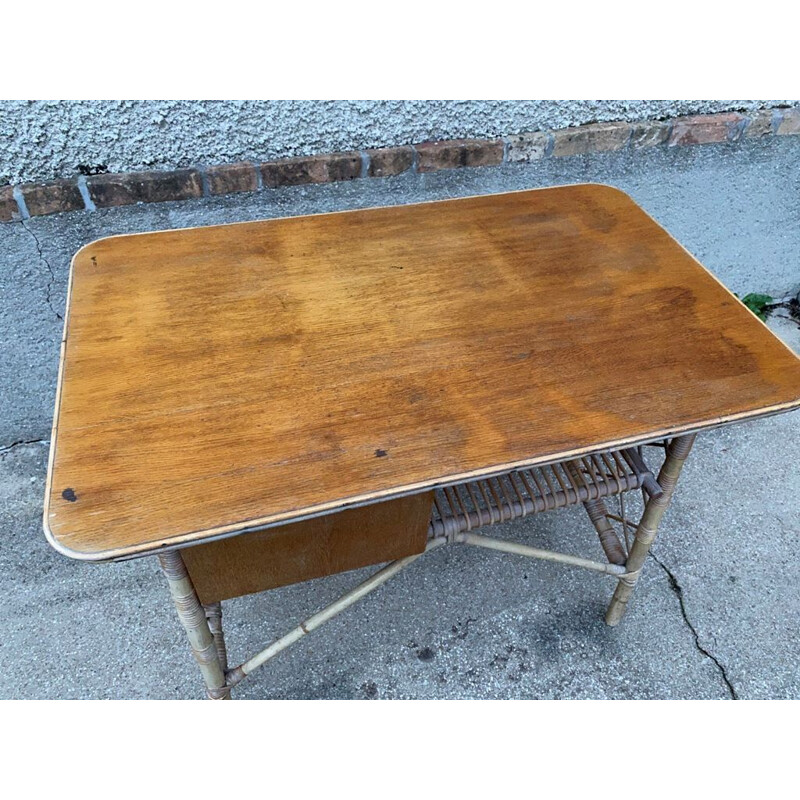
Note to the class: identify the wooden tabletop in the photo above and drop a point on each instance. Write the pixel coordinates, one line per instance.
(223, 378)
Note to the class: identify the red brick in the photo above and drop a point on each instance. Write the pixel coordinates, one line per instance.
(459, 153)
(52, 198)
(595, 138)
(790, 122)
(144, 187)
(8, 205)
(230, 178)
(760, 124)
(390, 161)
(649, 133)
(706, 129)
(311, 169)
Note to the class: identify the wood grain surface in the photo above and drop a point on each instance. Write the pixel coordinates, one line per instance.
(222, 378)
(314, 548)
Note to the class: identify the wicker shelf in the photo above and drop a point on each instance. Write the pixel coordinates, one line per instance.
(520, 493)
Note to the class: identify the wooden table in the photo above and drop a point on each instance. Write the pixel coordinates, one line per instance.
(223, 390)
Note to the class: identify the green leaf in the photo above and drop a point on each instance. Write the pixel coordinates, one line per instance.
(759, 304)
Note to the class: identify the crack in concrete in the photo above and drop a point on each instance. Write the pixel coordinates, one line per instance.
(678, 591)
(21, 442)
(49, 288)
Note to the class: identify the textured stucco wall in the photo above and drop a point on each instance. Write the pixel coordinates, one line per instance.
(42, 140)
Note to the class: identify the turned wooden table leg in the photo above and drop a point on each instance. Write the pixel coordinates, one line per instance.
(193, 618)
(677, 452)
(214, 617)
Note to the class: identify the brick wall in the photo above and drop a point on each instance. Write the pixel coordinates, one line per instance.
(107, 190)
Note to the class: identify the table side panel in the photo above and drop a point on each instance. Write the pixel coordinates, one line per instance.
(314, 548)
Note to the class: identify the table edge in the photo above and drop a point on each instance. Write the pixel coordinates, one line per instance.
(322, 509)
